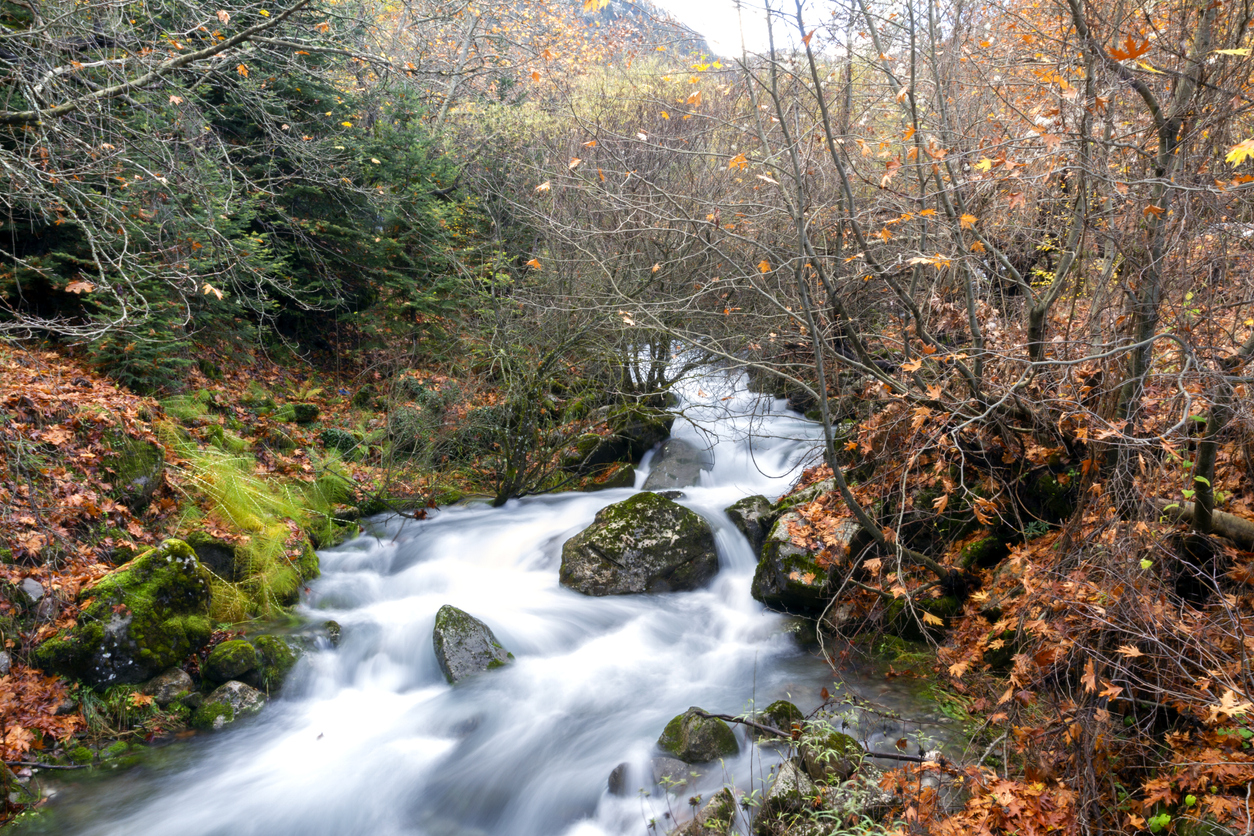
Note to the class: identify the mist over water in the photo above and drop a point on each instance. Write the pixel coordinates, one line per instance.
(369, 739)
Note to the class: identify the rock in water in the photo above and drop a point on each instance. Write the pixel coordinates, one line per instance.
(166, 687)
(230, 660)
(752, 515)
(695, 738)
(464, 645)
(789, 578)
(677, 465)
(137, 621)
(228, 703)
(644, 544)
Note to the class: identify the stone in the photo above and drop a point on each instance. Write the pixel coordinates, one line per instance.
(646, 543)
(832, 755)
(677, 464)
(752, 516)
(230, 660)
(333, 632)
(165, 687)
(6, 662)
(32, 590)
(304, 413)
(229, 702)
(694, 738)
(717, 818)
(464, 645)
(671, 773)
(135, 468)
(275, 659)
(142, 618)
(617, 783)
(216, 555)
(789, 578)
(781, 715)
(790, 793)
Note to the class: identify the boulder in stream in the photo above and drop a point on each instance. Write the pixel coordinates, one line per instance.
(143, 618)
(677, 464)
(789, 578)
(694, 738)
(165, 688)
(646, 543)
(752, 516)
(228, 702)
(464, 645)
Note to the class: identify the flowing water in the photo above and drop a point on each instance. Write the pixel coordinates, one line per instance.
(369, 739)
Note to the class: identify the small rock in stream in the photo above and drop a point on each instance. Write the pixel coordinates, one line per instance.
(617, 783)
(677, 465)
(464, 645)
(672, 773)
(695, 738)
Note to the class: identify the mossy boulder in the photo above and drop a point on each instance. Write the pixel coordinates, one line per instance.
(145, 617)
(677, 464)
(342, 441)
(230, 660)
(781, 715)
(304, 413)
(646, 543)
(212, 716)
(464, 645)
(830, 756)
(752, 516)
(229, 702)
(694, 738)
(135, 468)
(216, 555)
(166, 687)
(275, 659)
(983, 553)
(790, 578)
(80, 756)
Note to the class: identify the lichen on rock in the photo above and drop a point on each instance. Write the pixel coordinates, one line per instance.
(464, 645)
(694, 738)
(646, 543)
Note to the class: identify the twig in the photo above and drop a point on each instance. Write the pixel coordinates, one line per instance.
(37, 765)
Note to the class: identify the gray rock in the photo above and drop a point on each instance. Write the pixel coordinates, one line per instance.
(677, 464)
(32, 589)
(790, 793)
(618, 780)
(646, 543)
(6, 662)
(671, 773)
(164, 688)
(717, 818)
(752, 516)
(832, 755)
(242, 699)
(464, 645)
(694, 738)
(789, 578)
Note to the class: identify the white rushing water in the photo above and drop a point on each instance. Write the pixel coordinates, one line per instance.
(369, 739)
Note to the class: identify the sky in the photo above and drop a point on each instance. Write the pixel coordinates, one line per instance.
(718, 22)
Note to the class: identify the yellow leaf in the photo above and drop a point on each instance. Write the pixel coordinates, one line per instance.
(928, 618)
(592, 6)
(909, 132)
(242, 70)
(695, 99)
(224, 16)
(764, 266)
(739, 162)
(347, 124)
(574, 163)
(263, 13)
(913, 366)
(543, 187)
(535, 262)
(79, 287)
(1244, 52)
(665, 115)
(535, 75)
(1129, 650)
(656, 267)
(967, 221)
(1238, 152)
(546, 55)
(977, 247)
(590, 143)
(984, 165)
(207, 288)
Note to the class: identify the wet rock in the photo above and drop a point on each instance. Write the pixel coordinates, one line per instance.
(218, 556)
(830, 756)
(276, 657)
(6, 662)
(228, 702)
(677, 464)
(464, 645)
(752, 516)
(164, 688)
(644, 544)
(790, 793)
(781, 715)
(230, 660)
(674, 496)
(137, 621)
(717, 818)
(612, 476)
(333, 632)
(694, 738)
(135, 468)
(671, 773)
(618, 780)
(789, 578)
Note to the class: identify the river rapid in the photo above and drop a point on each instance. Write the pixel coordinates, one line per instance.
(369, 739)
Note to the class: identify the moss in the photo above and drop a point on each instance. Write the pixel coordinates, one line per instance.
(230, 660)
(1056, 500)
(137, 465)
(782, 714)
(694, 738)
(275, 659)
(212, 715)
(115, 750)
(983, 553)
(137, 621)
(906, 622)
(342, 441)
(304, 413)
(307, 564)
(80, 755)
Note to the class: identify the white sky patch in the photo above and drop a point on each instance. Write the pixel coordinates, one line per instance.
(719, 23)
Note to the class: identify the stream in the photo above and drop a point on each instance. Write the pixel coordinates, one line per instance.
(369, 739)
